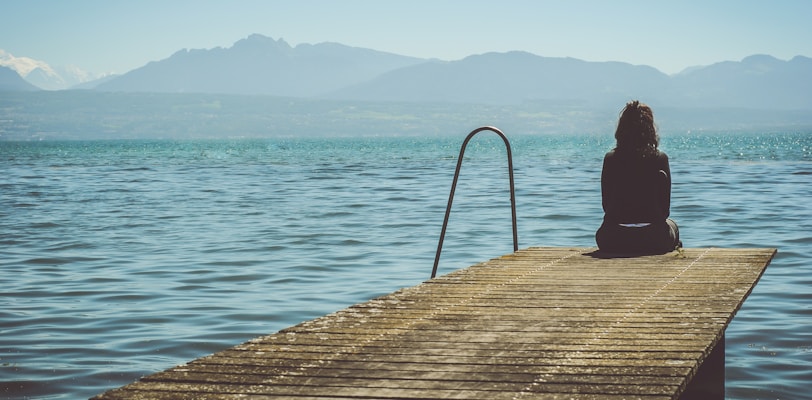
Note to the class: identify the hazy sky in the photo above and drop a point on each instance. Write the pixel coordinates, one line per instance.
(117, 36)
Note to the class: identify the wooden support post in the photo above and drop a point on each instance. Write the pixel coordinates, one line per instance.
(709, 381)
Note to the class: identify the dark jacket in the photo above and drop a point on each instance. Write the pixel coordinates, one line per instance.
(635, 189)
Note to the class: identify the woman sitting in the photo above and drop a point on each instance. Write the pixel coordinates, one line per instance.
(636, 189)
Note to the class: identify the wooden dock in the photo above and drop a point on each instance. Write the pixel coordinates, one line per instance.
(541, 323)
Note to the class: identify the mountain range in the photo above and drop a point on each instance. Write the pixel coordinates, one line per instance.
(759, 81)
(44, 76)
(260, 65)
(10, 80)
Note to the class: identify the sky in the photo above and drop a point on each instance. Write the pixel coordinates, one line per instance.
(116, 36)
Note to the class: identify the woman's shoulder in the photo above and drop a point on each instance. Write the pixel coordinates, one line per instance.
(623, 156)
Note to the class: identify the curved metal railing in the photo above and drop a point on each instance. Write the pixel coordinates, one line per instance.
(454, 187)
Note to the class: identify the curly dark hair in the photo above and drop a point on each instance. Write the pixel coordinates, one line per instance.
(636, 130)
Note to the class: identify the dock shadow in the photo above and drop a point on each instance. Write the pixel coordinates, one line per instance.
(604, 255)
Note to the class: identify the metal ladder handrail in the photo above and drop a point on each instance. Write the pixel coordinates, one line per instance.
(454, 186)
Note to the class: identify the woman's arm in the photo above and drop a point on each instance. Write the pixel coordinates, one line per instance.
(665, 191)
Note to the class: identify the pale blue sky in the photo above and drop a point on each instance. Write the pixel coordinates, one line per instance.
(117, 36)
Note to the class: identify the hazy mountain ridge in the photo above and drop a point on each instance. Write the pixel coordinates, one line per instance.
(10, 80)
(759, 81)
(259, 65)
(510, 78)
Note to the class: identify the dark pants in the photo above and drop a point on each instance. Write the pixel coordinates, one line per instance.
(656, 238)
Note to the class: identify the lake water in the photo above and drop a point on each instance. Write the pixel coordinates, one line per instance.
(124, 258)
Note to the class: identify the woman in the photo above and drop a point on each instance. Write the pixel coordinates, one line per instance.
(636, 189)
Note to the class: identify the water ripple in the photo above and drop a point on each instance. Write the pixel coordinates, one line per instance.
(121, 259)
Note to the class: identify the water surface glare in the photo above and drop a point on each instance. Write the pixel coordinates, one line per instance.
(124, 258)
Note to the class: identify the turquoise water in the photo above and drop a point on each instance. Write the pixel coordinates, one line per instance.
(124, 258)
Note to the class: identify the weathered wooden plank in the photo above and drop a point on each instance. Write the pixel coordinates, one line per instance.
(543, 323)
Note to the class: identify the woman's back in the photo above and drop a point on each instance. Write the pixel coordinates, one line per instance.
(634, 188)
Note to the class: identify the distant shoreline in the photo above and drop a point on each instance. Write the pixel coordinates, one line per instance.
(78, 115)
